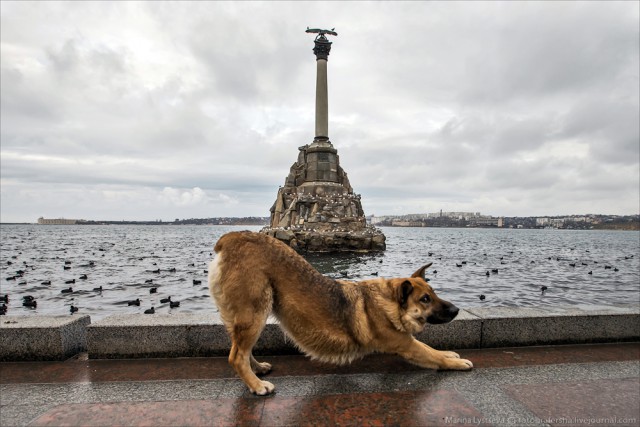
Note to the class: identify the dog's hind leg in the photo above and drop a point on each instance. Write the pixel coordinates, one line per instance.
(246, 329)
(260, 368)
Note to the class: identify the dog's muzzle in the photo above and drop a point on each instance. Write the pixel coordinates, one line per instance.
(446, 313)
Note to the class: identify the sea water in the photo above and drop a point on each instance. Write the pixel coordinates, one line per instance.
(126, 261)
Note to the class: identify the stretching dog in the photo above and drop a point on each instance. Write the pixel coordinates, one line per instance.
(335, 321)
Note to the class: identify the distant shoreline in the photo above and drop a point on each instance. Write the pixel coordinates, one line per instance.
(600, 227)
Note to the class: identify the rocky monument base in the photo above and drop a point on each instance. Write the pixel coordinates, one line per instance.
(317, 211)
(369, 239)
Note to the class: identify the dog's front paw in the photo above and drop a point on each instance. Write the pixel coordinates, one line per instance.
(450, 355)
(457, 364)
(265, 388)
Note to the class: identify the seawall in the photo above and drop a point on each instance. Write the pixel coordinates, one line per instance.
(25, 338)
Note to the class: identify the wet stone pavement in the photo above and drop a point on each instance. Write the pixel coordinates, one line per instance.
(576, 385)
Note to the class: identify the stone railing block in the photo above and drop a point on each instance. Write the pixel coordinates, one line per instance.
(502, 327)
(42, 337)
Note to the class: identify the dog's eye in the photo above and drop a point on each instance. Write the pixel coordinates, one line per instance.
(425, 299)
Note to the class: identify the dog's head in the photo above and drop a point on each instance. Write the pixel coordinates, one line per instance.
(419, 304)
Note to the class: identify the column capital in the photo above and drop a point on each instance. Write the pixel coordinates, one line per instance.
(322, 47)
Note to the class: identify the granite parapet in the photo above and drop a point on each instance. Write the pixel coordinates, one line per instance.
(198, 334)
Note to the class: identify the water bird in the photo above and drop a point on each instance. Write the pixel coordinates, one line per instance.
(206, 271)
(134, 302)
(482, 297)
(84, 277)
(172, 270)
(19, 273)
(4, 298)
(458, 265)
(584, 263)
(197, 282)
(487, 273)
(3, 310)
(616, 269)
(11, 278)
(464, 263)
(591, 272)
(607, 267)
(174, 304)
(30, 304)
(155, 263)
(67, 262)
(543, 288)
(73, 309)
(98, 289)
(165, 300)
(28, 298)
(66, 267)
(156, 271)
(495, 271)
(572, 265)
(67, 291)
(150, 311)
(192, 265)
(375, 273)
(9, 263)
(430, 253)
(24, 282)
(153, 290)
(68, 282)
(435, 271)
(148, 281)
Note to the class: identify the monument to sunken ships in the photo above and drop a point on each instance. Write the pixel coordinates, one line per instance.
(316, 210)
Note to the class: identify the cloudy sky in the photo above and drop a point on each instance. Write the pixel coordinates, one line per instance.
(144, 111)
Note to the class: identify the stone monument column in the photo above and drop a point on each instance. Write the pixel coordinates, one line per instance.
(321, 50)
(316, 210)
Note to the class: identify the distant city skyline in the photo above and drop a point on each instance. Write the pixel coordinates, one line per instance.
(143, 110)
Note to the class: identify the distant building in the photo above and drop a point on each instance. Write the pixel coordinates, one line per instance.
(57, 221)
(399, 223)
(541, 222)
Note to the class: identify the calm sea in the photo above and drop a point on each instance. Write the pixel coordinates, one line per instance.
(122, 259)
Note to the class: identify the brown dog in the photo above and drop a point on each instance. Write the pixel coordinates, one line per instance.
(333, 321)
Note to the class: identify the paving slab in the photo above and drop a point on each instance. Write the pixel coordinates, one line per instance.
(593, 384)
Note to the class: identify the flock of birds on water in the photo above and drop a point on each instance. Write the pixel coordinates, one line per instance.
(543, 288)
(30, 301)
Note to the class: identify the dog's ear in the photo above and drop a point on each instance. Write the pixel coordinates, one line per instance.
(420, 272)
(403, 291)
